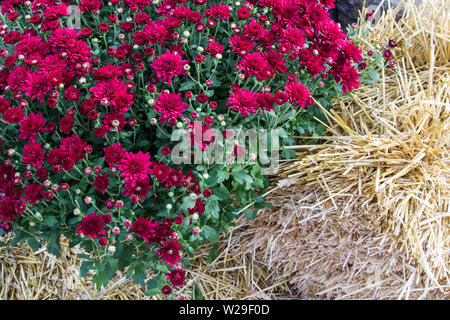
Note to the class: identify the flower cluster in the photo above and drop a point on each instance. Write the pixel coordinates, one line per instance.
(88, 111)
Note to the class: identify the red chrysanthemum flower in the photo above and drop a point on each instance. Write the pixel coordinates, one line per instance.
(243, 101)
(13, 115)
(32, 125)
(168, 66)
(101, 183)
(17, 78)
(33, 154)
(170, 252)
(10, 209)
(90, 5)
(253, 64)
(176, 277)
(214, 48)
(143, 227)
(135, 166)
(33, 193)
(66, 124)
(241, 45)
(298, 94)
(37, 85)
(91, 225)
(169, 105)
(140, 189)
(166, 290)
(265, 101)
(220, 11)
(114, 154)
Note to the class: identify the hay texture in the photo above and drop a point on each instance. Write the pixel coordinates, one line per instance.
(366, 215)
(38, 275)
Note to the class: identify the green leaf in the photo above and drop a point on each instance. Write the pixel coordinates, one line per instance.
(197, 293)
(154, 286)
(113, 263)
(50, 221)
(187, 203)
(84, 268)
(53, 244)
(142, 143)
(261, 205)
(250, 214)
(152, 292)
(241, 177)
(102, 277)
(213, 253)
(210, 234)
(125, 258)
(139, 274)
(222, 176)
(374, 75)
(222, 192)
(212, 207)
(33, 243)
(187, 86)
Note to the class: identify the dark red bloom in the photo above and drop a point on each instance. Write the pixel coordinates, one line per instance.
(176, 277)
(33, 154)
(106, 218)
(169, 252)
(114, 154)
(66, 124)
(91, 225)
(31, 126)
(10, 209)
(102, 241)
(207, 193)
(33, 193)
(101, 183)
(143, 227)
(166, 290)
